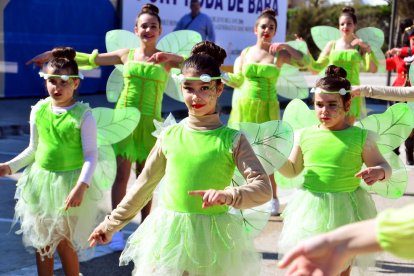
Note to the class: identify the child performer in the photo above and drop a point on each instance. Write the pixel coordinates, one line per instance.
(56, 200)
(256, 75)
(331, 155)
(144, 86)
(192, 233)
(348, 52)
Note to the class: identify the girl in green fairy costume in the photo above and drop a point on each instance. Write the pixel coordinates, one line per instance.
(255, 77)
(145, 76)
(348, 52)
(192, 232)
(57, 201)
(330, 155)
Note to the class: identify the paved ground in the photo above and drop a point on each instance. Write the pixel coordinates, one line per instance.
(16, 261)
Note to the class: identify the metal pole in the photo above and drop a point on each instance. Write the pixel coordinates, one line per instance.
(391, 37)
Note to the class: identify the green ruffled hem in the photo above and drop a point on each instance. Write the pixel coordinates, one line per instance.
(137, 146)
(254, 111)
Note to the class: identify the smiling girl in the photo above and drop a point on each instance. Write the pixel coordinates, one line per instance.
(330, 155)
(192, 233)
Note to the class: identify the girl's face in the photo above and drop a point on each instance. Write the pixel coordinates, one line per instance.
(265, 29)
(331, 111)
(411, 40)
(148, 29)
(61, 91)
(346, 25)
(201, 97)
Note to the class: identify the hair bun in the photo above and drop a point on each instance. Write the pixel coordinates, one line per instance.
(210, 49)
(348, 10)
(268, 11)
(64, 52)
(335, 72)
(150, 8)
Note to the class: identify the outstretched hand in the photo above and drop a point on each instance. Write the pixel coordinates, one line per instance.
(39, 60)
(310, 257)
(371, 175)
(161, 57)
(210, 197)
(98, 236)
(4, 170)
(356, 91)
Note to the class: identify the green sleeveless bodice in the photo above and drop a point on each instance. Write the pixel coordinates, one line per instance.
(350, 60)
(260, 81)
(196, 160)
(332, 158)
(60, 146)
(144, 86)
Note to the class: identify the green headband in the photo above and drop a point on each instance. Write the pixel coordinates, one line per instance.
(341, 91)
(203, 77)
(63, 77)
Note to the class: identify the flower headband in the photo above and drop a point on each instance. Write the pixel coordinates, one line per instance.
(63, 77)
(203, 77)
(341, 91)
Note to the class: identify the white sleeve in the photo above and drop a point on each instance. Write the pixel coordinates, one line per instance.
(89, 147)
(27, 156)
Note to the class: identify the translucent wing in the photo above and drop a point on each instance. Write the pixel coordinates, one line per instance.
(396, 185)
(254, 219)
(298, 115)
(373, 36)
(393, 126)
(105, 171)
(161, 126)
(120, 39)
(299, 45)
(173, 88)
(113, 125)
(114, 85)
(323, 34)
(179, 42)
(291, 83)
(271, 141)
(379, 55)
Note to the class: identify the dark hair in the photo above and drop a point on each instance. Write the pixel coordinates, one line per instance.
(267, 13)
(350, 12)
(63, 59)
(406, 38)
(149, 9)
(206, 58)
(334, 80)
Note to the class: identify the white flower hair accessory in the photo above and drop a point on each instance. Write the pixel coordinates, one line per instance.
(63, 77)
(203, 77)
(341, 91)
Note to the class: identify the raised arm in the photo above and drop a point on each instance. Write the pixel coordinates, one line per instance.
(388, 93)
(294, 165)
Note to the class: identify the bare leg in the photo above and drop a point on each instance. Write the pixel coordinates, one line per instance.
(147, 208)
(274, 186)
(69, 258)
(45, 266)
(121, 181)
(275, 201)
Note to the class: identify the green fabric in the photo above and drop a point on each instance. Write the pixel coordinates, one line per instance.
(144, 85)
(395, 231)
(60, 146)
(258, 98)
(196, 160)
(332, 158)
(86, 61)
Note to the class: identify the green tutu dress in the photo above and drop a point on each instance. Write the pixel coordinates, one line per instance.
(144, 85)
(330, 196)
(257, 102)
(181, 237)
(45, 184)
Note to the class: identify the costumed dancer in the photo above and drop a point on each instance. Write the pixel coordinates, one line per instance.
(402, 66)
(255, 78)
(192, 232)
(56, 199)
(348, 52)
(144, 86)
(391, 231)
(330, 155)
